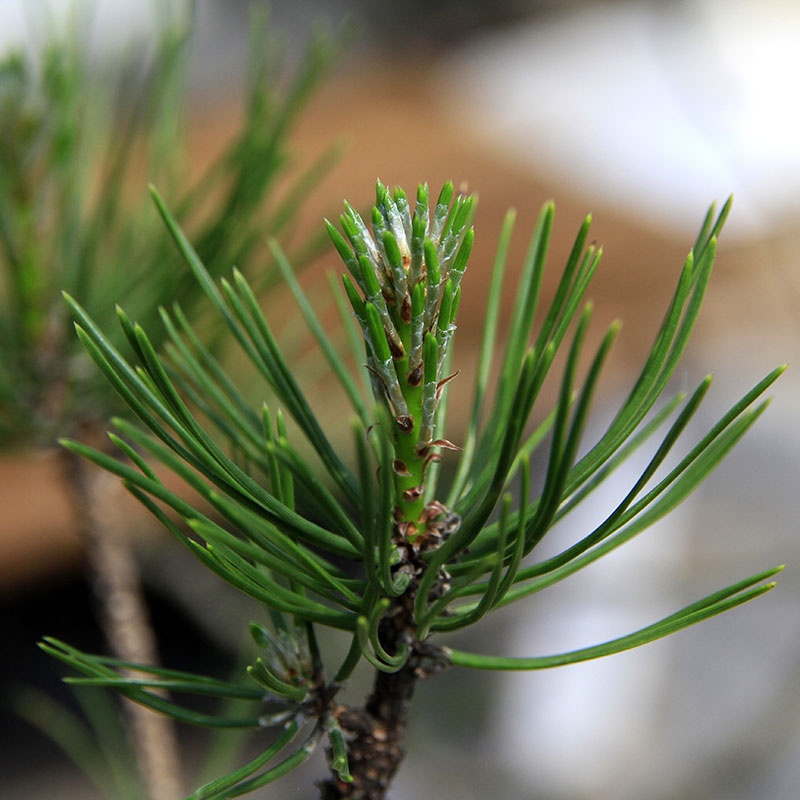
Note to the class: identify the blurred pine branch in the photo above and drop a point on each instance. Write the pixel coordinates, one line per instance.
(77, 147)
(79, 139)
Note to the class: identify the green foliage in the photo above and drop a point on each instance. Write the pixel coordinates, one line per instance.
(381, 553)
(74, 144)
(95, 739)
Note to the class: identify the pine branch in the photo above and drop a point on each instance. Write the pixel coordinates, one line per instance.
(373, 550)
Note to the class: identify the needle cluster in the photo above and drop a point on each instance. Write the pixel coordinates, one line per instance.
(371, 546)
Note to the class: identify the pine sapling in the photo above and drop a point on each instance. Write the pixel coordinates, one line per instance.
(372, 545)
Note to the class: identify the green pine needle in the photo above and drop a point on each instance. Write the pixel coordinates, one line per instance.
(378, 550)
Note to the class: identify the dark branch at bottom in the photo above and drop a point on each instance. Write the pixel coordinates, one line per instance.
(375, 731)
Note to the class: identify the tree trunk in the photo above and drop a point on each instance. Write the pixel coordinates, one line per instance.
(125, 621)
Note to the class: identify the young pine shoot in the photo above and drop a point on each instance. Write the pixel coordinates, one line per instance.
(371, 545)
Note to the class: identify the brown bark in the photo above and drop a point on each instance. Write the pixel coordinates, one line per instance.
(124, 618)
(376, 731)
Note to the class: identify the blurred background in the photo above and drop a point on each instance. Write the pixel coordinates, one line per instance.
(642, 113)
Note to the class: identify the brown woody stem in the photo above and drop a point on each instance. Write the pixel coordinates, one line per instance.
(124, 618)
(376, 730)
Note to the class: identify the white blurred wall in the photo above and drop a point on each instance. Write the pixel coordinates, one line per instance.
(652, 107)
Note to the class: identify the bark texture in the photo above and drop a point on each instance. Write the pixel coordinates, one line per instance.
(124, 618)
(376, 731)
